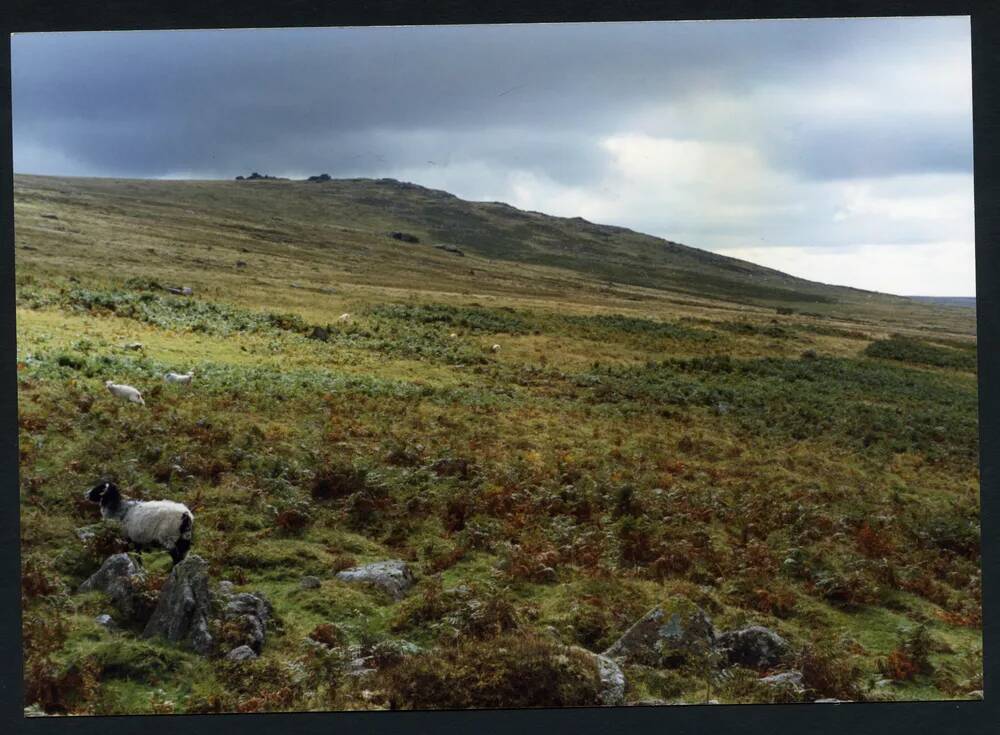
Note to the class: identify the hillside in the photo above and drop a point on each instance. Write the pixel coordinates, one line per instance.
(557, 431)
(344, 224)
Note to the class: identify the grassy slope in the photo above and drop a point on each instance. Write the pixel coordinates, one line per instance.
(649, 428)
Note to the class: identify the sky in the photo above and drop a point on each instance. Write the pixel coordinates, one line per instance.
(834, 150)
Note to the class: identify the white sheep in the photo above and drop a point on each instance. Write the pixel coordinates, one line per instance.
(146, 523)
(184, 378)
(495, 348)
(127, 392)
(345, 317)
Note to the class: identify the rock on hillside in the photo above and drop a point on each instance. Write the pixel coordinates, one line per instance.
(184, 607)
(666, 632)
(392, 576)
(119, 578)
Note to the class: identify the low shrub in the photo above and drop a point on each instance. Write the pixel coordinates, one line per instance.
(511, 671)
(829, 671)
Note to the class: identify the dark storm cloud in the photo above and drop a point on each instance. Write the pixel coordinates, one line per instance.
(213, 103)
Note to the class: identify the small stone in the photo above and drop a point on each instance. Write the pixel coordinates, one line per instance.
(755, 647)
(241, 653)
(791, 679)
(976, 694)
(105, 621)
(309, 583)
(392, 576)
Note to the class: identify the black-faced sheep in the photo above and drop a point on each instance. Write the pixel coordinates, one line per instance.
(146, 523)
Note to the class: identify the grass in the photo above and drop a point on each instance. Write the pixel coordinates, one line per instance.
(806, 464)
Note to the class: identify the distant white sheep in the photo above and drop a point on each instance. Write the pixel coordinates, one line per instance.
(147, 523)
(127, 392)
(183, 378)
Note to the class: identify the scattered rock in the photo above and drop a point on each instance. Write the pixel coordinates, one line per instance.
(450, 249)
(86, 533)
(309, 583)
(976, 694)
(34, 710)
(650, 703)
(404, 237)
(722, 408)
(106, 622)
(830, 701)
(392, 576)
(49, 215)
(755, 647)
(663, 635)
(319, 333)
(253, 611)
(809, 355)
(792, 679)
(241, 264)
(612, 678)
(612, 682)
(184, 607)
(241, 653)
(119, 578)
(181, 290)
(133, 346)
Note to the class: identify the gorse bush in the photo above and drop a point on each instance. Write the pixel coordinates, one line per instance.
(467, 318)
(861, 405)
(908, 349)
(181, 314)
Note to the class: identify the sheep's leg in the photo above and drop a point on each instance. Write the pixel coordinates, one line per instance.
(180, 550)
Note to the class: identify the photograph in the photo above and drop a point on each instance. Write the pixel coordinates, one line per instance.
(497, 366)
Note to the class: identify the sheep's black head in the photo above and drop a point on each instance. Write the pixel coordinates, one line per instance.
(105, 493)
